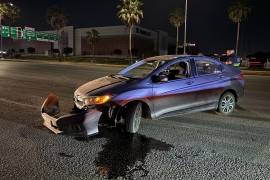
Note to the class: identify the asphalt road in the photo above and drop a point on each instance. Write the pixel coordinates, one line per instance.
(196, 146)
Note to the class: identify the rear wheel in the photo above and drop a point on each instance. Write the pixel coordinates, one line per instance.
(133, 117)
(227, 103)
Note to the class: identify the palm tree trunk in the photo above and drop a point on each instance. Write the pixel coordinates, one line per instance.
(237, 39)
(130, 43)
(177, 40)
(93, 49)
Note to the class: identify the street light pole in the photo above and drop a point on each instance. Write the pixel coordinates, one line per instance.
(185, 34)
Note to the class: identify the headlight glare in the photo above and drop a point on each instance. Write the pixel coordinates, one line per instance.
(97, 100)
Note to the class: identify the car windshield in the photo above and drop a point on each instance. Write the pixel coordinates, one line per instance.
(141, 69)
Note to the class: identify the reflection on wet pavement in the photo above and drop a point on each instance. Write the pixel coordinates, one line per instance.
(124, 154)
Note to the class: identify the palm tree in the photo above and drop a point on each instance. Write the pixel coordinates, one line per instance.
(13, 14)
(92, 38)
(57, 20)
(3, 11)
(177, 18)
(130, 13)
(238, 12)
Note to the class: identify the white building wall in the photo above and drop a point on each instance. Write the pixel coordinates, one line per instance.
(75, 36)
(70, 35)
(143, 32)
(105, 31)
(162, 42)
(78, 43)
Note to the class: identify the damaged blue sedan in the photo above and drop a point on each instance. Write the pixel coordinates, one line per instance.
(153, 88)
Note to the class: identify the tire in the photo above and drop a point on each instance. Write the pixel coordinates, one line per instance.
(227, 103)
(133, 118)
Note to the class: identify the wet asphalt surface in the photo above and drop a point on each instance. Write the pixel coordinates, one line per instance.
(195, 146)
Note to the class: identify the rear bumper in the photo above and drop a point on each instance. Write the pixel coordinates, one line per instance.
(75, 124)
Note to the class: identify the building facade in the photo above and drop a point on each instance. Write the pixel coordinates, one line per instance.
(113, 40)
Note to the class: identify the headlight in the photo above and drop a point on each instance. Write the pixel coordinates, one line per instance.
(96, 100)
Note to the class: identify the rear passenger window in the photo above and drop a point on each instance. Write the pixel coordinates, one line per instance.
(205, 67)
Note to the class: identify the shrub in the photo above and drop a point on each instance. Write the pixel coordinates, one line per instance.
(31, 50)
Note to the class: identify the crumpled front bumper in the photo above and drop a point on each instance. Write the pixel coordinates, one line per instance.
(78, 124)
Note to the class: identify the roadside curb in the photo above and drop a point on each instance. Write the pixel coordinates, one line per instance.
(63, 62)
(256, 73)
(246, 72)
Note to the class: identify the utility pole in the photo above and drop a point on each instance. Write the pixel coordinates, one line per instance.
(185, 34)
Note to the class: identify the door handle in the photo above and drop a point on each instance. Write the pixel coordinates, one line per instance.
(221, 76)
(189, 82)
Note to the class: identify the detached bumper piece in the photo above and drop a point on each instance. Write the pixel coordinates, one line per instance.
(77, 124)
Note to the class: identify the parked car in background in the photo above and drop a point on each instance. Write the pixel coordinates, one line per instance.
(267, 64)
(153, 88)
(255, 62)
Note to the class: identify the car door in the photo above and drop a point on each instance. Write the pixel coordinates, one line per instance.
(209, 81)
(176, 94)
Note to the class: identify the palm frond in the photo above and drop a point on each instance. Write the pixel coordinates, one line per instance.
(130, 12)
(56, 18)
(176, 17)
(239, 11)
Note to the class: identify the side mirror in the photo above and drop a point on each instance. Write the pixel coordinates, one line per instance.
(160, 78)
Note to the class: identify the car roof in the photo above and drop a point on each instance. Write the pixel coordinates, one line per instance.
(172, 57)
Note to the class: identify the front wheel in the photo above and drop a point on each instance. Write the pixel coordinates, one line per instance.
(133, 117)
(227, 103)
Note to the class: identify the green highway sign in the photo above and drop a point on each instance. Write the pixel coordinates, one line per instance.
(14, 32)
(42, 36)
(28, 34)
(5, 31)
(54, 37)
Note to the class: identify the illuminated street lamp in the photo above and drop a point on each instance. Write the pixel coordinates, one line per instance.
(185, 34)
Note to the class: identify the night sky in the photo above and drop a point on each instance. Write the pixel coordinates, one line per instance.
(208, 22)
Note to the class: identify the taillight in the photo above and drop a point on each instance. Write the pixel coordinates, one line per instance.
(241, 76)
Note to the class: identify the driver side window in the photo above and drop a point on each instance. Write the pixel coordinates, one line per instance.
(179, 70)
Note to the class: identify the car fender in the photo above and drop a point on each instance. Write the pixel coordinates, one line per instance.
(135, 95)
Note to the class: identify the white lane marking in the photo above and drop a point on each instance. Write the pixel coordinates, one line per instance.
(17, 103)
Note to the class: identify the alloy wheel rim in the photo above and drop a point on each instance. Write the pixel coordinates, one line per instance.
(138, 115)
(227, 104)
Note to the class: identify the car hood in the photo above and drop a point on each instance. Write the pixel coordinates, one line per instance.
(99, 85)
